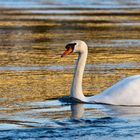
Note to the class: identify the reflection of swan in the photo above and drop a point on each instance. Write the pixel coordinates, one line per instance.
(77, 110)
(123, 111)
(125, 92)
(101, 111)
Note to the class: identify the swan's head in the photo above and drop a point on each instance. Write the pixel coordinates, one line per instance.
(76, 46)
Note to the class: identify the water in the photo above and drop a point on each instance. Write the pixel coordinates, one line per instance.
(33, 76)
(56, 120)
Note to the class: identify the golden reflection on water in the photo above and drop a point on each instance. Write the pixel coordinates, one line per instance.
(34, 40)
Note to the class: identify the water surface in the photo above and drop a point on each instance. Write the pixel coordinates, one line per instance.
(56, 120)
(32, 38)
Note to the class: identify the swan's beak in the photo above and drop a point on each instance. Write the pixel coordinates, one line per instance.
(67, 51)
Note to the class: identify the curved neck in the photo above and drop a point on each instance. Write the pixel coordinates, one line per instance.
(76, 89)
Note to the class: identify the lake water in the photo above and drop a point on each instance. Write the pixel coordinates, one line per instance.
(33, 77)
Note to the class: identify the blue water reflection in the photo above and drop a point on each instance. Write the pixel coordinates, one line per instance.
(74, 3)
(54, 119)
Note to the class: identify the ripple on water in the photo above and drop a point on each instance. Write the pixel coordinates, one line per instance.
(75, 3)
(53, 119)
(64, 67)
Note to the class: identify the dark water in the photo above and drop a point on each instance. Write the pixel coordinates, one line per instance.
(33, 34)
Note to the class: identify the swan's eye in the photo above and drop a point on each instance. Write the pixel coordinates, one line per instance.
(70, 45)
(69, 49)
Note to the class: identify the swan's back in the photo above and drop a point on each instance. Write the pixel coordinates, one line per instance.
(125, 92)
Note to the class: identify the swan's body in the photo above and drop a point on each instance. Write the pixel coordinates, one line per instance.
(125, 92)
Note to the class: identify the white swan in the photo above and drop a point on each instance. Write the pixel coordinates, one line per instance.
(125, 92)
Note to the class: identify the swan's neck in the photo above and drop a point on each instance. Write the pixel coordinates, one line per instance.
(76, 89)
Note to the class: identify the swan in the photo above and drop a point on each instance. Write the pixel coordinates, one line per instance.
(125, 92)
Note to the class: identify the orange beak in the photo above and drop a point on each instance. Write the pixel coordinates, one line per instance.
(66, 52)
